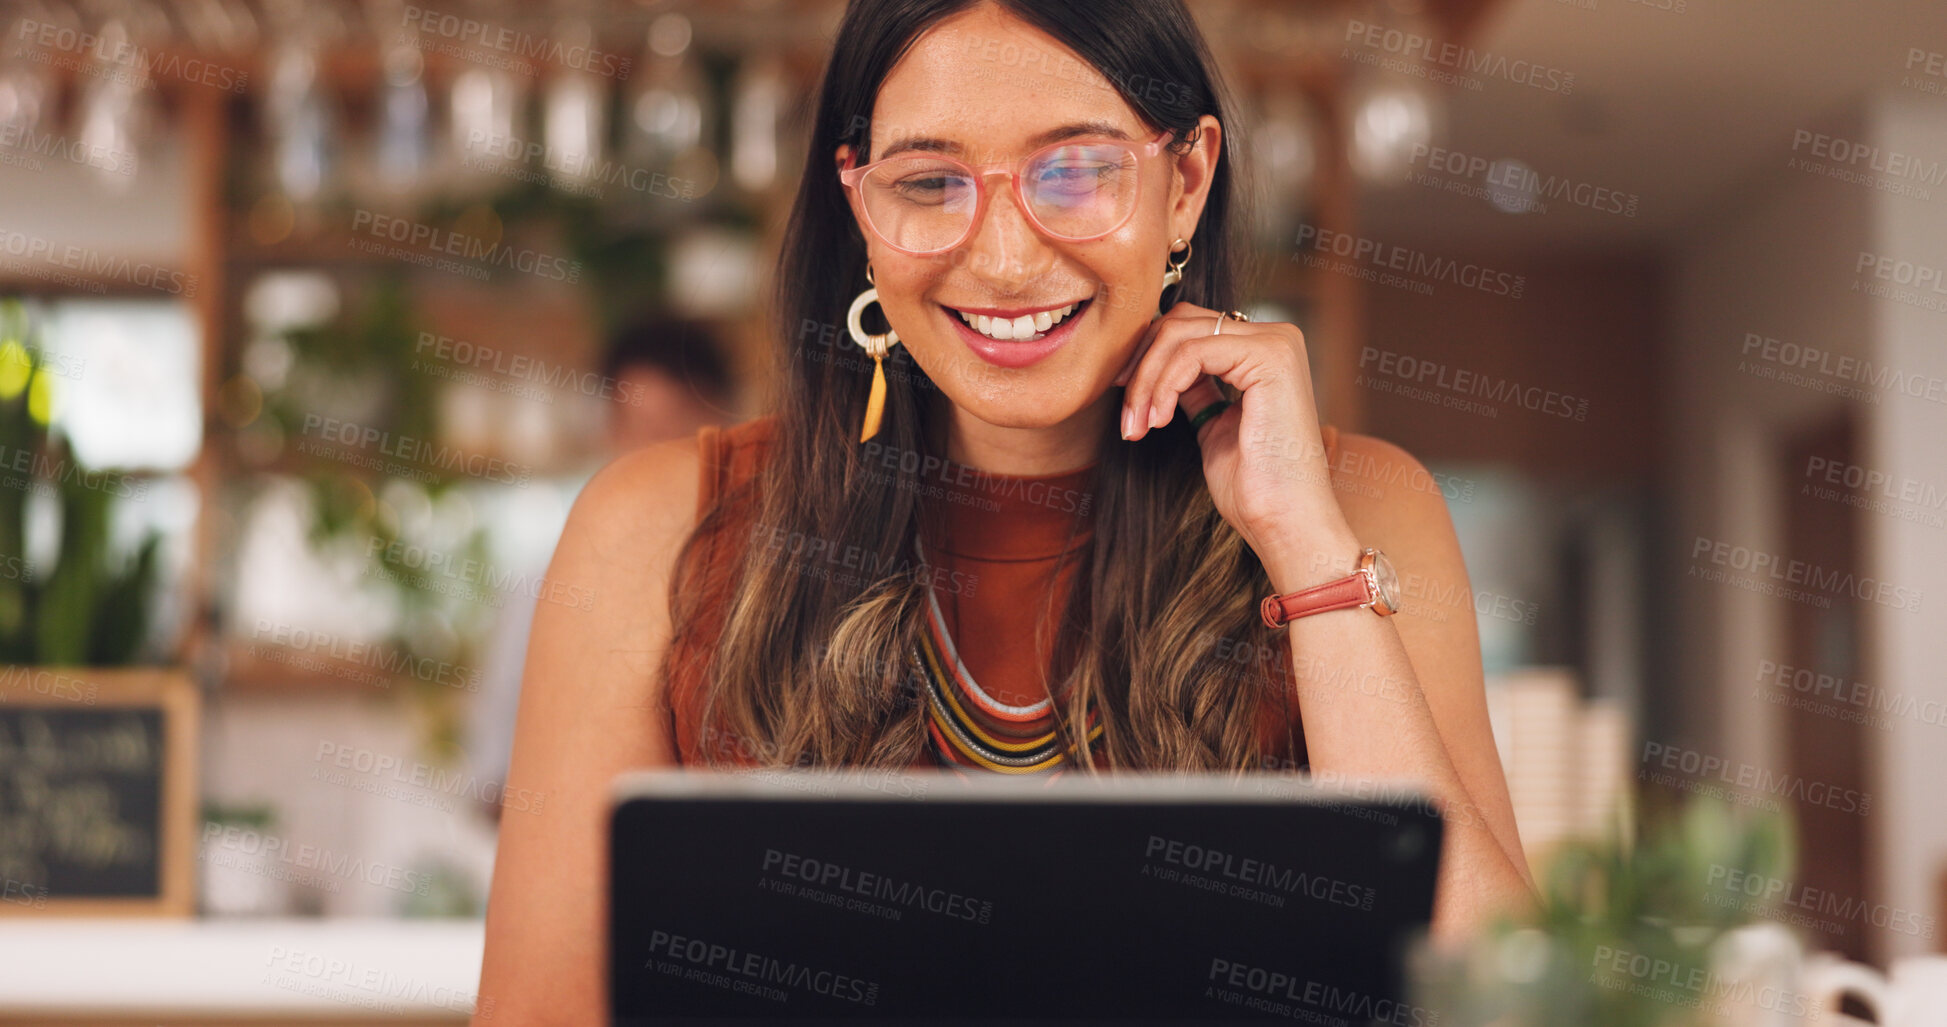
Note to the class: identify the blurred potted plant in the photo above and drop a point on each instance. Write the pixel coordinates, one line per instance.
(240, 875)
(1621, 935)
(92, 606)
(359, 368)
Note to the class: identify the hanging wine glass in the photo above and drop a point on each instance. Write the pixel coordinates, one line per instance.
(1389, 114)
(300, 120)
(756, 115)
(26, 92)
(1283, 148)
(1390, 122)
(147, 23)
(113, 117)
(574, 113)
(404, 138)
(669, 107)
(484, 107)
(218, 26)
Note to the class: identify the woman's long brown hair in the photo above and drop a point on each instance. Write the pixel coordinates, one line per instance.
(813, 666)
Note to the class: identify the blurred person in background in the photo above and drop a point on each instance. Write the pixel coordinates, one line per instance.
(666, 377)
(671, 377)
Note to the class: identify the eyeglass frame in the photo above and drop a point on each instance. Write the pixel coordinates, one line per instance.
(850, 177)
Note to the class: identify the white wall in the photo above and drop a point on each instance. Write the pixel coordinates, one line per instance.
(1774, 259)
(1779, 258)
(1908, 440)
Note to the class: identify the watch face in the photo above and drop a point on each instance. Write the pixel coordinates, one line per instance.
(1388, 580)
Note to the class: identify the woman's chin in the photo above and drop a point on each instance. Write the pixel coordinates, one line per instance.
(1043, 396)
(1034, 410)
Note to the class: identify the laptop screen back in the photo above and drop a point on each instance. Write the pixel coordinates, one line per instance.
(940, 898)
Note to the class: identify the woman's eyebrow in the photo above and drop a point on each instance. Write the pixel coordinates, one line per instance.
(935, 144)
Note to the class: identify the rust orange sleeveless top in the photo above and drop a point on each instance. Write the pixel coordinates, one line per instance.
(1001, 549)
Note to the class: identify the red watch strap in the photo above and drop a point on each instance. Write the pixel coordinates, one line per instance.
(1333, 595)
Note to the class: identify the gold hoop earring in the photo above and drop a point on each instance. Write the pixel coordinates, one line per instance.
(876, 344)
(1175, 274)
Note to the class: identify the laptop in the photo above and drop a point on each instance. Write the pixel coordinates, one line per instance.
(936, 897)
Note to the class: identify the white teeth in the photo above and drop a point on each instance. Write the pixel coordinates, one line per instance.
(1027, 327)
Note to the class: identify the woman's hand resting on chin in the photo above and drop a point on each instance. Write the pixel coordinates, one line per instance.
(1264, 456)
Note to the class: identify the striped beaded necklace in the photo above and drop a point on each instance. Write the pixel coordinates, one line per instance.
(968, 727)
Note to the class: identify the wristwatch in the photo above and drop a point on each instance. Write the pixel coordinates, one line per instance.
(1373, 585)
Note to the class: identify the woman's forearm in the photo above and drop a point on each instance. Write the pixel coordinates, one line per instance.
(1365, 715)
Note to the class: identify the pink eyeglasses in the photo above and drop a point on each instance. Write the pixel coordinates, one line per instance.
(922, 204)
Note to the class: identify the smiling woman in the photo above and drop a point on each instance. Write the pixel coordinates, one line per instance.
(1018, 186)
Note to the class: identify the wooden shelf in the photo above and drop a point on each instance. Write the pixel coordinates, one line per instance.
(269, 667)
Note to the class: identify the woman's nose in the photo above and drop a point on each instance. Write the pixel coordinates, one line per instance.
(1006, 252)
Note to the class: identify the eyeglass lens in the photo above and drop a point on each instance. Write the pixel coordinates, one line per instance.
(928, 203)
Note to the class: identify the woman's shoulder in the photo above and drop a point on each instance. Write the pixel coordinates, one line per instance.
(1389, 497)
(1373, 468)
(674, 479)
(639, 509)
(1365, 464)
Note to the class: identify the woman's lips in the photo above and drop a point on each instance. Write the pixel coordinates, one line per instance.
(1016, 352)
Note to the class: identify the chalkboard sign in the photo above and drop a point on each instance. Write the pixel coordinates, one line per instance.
(97, 791)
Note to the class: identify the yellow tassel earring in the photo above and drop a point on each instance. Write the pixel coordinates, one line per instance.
(878, 346)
